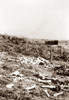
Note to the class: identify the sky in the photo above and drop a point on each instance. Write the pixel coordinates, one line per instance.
(42, 19)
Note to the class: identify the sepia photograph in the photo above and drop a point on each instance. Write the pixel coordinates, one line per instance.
(34, 49)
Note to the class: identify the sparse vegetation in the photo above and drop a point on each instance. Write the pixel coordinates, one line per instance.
(30, 59)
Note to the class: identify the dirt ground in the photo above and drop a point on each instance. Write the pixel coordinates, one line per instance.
(30, 78)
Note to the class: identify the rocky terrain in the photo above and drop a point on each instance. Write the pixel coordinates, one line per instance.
(26, 72)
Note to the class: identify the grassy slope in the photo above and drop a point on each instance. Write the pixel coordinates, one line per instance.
(32, 47)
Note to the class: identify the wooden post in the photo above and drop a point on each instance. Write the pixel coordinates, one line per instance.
(51, 54)
(61, 52)
(26, 45)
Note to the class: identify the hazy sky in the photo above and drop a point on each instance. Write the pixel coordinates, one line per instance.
(35, 18)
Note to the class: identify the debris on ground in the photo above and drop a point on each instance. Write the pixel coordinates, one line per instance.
(32, 78)
(32, 87)
(47, 93)
(57, 94)
(10, 85)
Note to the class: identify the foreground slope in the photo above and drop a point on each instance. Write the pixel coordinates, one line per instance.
(24, 75)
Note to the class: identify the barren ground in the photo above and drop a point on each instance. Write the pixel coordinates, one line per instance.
(30, 78)
(26, 72)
